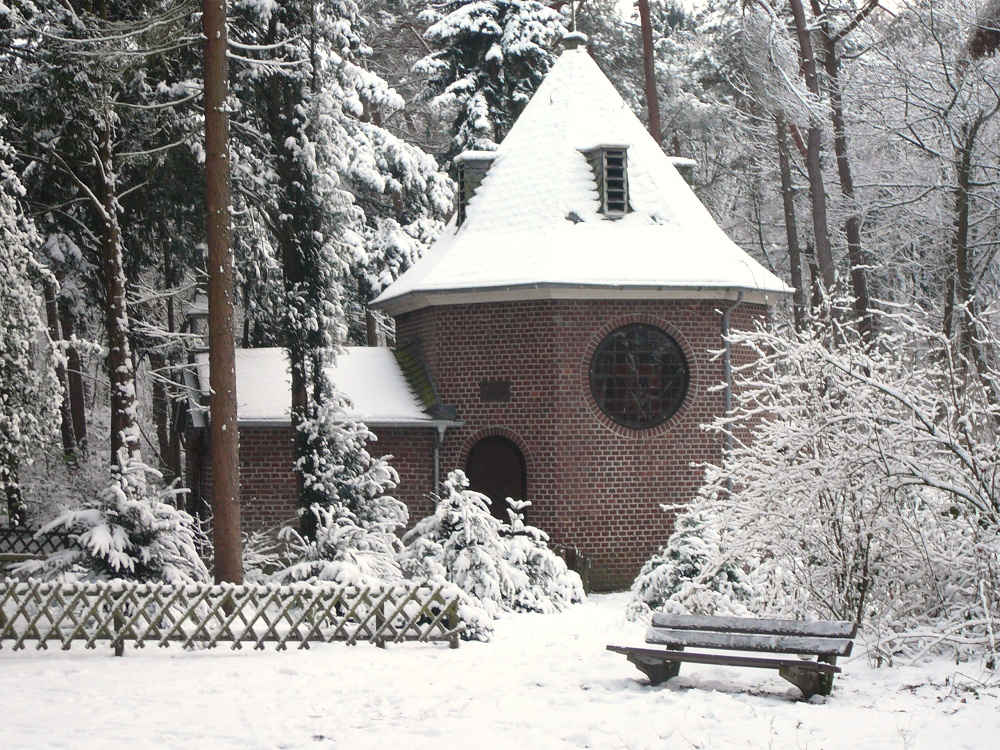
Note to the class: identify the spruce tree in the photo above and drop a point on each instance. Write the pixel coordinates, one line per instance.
(489, 58)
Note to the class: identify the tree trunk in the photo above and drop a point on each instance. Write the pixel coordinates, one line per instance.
(284, 94)
(852, 224)
(791, 226)
(121, 373)
(814, 145)
(162, 417)
(962, 281)
(226, 535)
(74, 376)
(652, 100)
(65, 417)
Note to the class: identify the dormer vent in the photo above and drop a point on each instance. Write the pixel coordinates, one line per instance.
(610, 165)
(472, 168)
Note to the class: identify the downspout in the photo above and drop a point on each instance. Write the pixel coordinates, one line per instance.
(727, 376)
(438, 442)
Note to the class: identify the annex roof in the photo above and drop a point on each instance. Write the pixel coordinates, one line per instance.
(533, 229)
(369, 376)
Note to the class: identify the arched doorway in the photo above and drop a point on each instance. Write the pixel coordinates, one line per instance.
(496, 469)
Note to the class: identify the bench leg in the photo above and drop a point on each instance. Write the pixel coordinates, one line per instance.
(656, 670)
(809, 681)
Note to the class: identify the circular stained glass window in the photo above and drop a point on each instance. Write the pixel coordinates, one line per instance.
(639, 376)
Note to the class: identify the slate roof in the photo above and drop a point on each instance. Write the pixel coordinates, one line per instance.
(533, 229)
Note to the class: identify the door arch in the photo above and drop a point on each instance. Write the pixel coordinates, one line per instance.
(496, 468)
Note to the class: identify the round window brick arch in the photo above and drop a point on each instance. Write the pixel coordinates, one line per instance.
(639, 376)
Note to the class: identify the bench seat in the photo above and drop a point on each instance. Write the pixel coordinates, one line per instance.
(823, 640)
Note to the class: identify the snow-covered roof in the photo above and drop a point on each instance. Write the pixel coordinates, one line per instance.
(369, 376)
(533, 230)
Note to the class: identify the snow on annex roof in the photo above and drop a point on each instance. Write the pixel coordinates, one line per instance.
(533, 230)
(369, 376)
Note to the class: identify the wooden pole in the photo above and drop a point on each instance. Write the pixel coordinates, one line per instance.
(226, 536)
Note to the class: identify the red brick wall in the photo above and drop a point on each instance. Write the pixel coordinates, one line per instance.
(412, 452)
(593, 484)
(268, 484)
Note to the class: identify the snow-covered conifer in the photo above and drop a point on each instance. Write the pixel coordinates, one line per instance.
(29, 389)
(489, 57)
(547, 585)
(694, 573)
(341, 551)
(351, 520)
(463, 543)
(340, 475)
(132, 530)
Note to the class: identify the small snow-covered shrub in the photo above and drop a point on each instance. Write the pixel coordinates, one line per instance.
(340, 551)
(460, 543)
(549, 586)
(261, 556)
(132, 530)
(693, 574)
(501, 567)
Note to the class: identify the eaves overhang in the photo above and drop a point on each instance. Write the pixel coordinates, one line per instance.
(419, 299)
(409, 423)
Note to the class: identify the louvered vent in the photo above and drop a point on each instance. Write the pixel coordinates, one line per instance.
(472, 168)
(610, 165)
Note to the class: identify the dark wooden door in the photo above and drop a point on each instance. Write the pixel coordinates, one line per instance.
(496, 469)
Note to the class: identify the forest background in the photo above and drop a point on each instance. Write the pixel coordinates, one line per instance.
(852, 147)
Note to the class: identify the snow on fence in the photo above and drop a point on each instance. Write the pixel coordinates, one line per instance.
(203, 615)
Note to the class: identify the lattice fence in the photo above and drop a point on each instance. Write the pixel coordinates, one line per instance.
(121, 612)
(22, 544)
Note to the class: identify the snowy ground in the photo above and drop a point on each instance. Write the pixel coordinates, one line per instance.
(545, 682)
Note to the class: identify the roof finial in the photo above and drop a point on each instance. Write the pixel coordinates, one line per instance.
(573, 38)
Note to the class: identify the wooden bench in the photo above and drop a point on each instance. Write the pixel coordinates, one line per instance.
(823, 640)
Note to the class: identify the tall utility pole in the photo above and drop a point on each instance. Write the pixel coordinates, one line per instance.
(652, 100)
(225, 438)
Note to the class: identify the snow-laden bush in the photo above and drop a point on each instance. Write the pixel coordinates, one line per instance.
(261, 555)
(501, 567)
(340, 551)
(350, 521)
(132, 530)
(864, 478)
(339, 474)
(692, 575)
(548, 585)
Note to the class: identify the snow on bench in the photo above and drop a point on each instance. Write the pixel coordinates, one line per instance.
(823, 640)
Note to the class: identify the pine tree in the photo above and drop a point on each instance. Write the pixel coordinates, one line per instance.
(490, 56)
(352, 204)
(340, 551)
(131, 530)
(548, 585)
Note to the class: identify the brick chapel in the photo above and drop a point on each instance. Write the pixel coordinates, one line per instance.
(559, 343)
